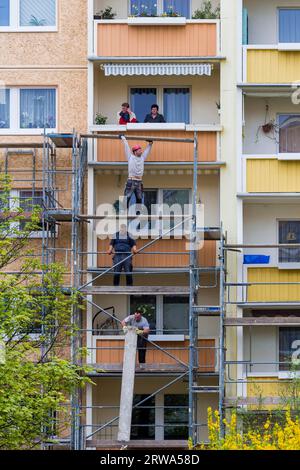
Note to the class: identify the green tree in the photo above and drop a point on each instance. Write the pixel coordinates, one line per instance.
(37, 377)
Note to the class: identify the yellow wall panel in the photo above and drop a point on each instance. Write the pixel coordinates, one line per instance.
(272, 176)
(272, 66)
(273, 389)
(273, 293)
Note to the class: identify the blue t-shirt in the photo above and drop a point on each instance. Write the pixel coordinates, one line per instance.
(123, 243)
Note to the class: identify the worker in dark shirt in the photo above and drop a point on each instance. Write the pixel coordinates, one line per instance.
(121, 246)
(154, 116)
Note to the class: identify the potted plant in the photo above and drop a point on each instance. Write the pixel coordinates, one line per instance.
(206, 12)
(100, 120)
(106, 14)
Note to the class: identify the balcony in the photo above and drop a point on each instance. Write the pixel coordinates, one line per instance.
(272, 176)
(277, 286)
(174, 38)
(271, 66)
(110, 350)
(162, 254)
(111, 151)
(271, 41)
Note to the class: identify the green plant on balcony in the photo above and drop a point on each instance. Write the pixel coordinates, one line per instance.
(100, 119)
(144, 12)
(206, 12)
(106, 14)
(170, 12)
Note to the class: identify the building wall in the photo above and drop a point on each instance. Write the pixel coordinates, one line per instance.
(255, 142)
(263, 26)
(260, 226)
(111, 92)
(261, 345)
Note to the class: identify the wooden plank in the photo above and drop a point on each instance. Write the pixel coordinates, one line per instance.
(142, 444)
(262, 321)
(136, 290)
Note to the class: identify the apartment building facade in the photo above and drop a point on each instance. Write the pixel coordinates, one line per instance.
(226, 87)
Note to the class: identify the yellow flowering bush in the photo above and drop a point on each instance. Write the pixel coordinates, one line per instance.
(270, 436)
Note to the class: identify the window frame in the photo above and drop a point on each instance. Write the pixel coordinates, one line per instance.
(286, 45)
(160, 8)
(286, 265)
(14, 21)
(159, 308)
(15, 112)
(160, 98)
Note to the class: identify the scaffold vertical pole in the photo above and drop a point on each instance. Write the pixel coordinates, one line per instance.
(222, 335)
(192, 332)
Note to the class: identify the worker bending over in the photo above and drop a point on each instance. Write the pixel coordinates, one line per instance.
(142, 328)
(136, 159)
(121, 246)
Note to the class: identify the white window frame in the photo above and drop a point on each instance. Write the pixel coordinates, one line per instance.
(295, 265)
(286, 156)
(14, 23)
(283, 371)
(160, 97)
(15, 128)
(286, 46)
(160, 7)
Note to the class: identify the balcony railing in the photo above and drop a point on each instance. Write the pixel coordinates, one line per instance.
(121, 38)
(271, 175)
(263, 64)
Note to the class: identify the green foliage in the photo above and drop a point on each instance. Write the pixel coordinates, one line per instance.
(106, 14)
(100, 119)
(36, 375)
(206, 12)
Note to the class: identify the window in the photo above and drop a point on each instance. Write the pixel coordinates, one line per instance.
(4, 12)
(289, 133)
(143, 7)
(177, 104)
(4, 109)
(289, 233)
(174, 103)
(179, 7)
(166, 315)
(149, 302)
(143, 418)
(176, 315)
(28, 15)
(27, 201)
(27, 110)
(141, 101)
(158, 7)
(289, 347)
(37, 12)
(176, 417)
(289, 25)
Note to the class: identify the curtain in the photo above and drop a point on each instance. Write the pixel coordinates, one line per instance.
(37, 12)
(289, 25)
(289, 133)
(4, 109)
(37, 108)
(182, 7)
(141, 101)
(289, 232)
(4, 12)
(143, 7)
(289, 344)
(177, 105)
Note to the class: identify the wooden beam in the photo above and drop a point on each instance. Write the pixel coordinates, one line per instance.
(136, 290)
(263, 321)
